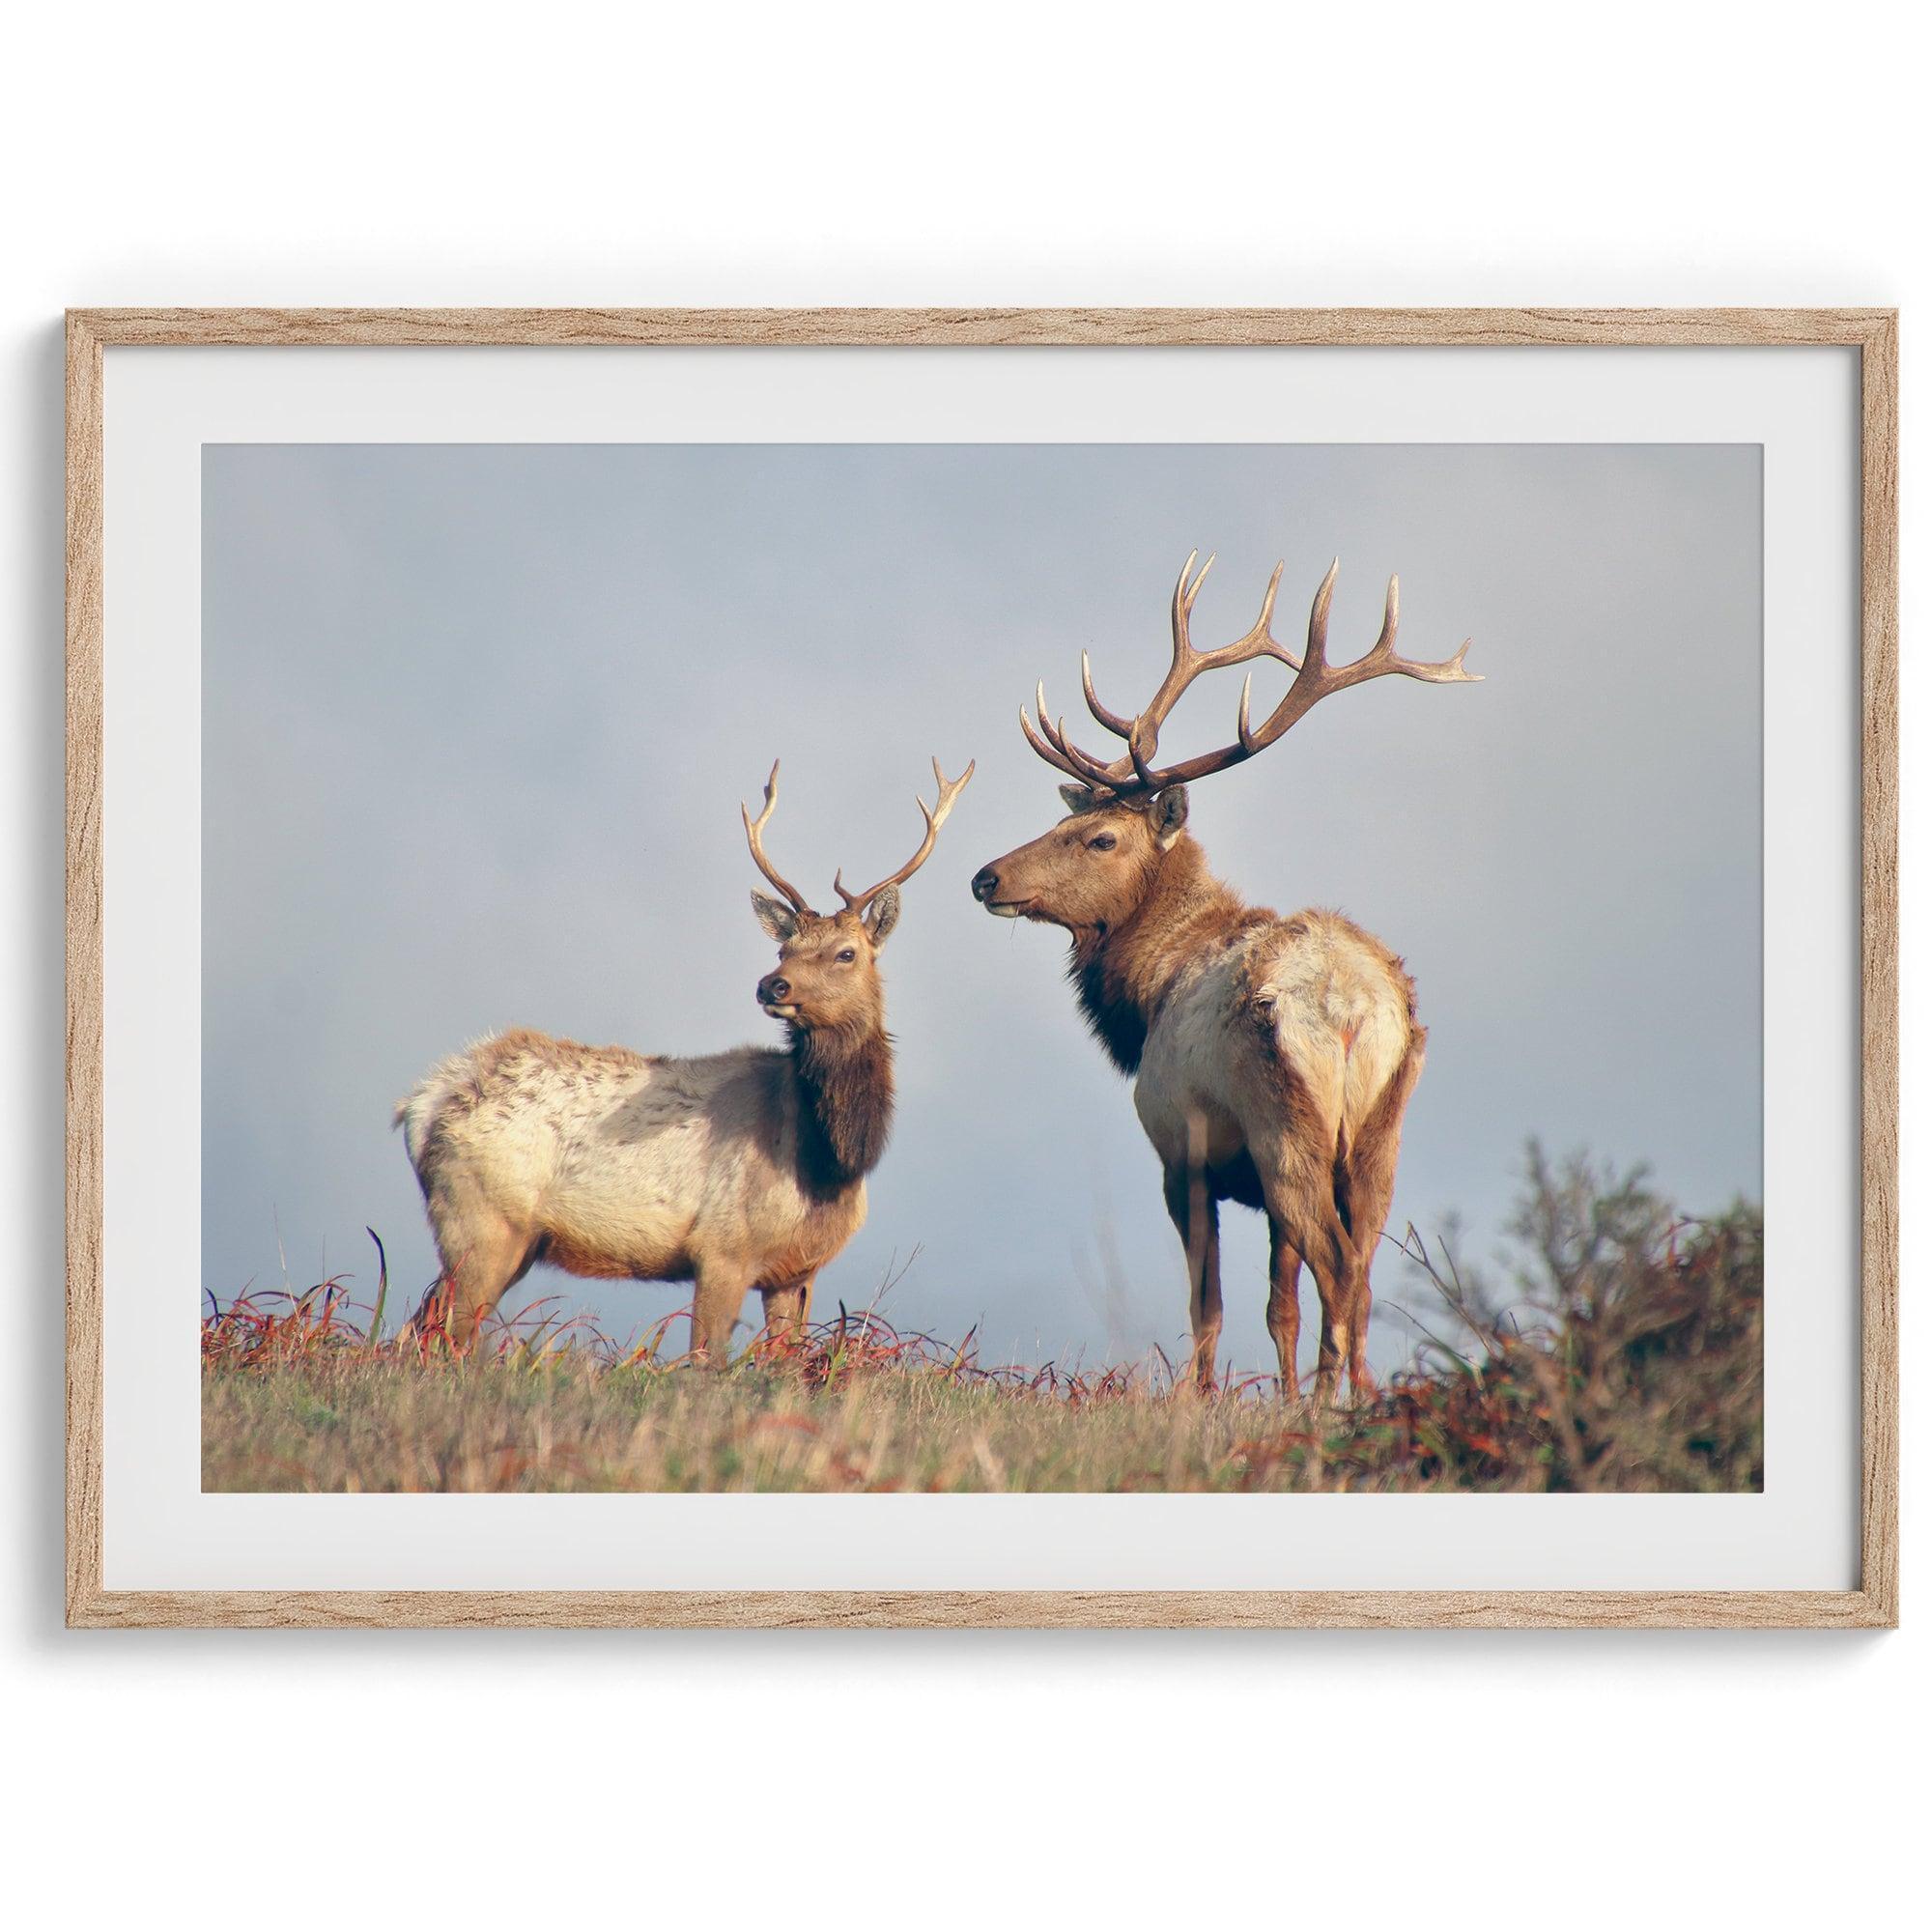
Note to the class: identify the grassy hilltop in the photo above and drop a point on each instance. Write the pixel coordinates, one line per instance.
(1623, 1352)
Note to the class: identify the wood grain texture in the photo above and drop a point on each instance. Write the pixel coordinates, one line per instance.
(997, 1609)
(1873, 332)
(85, 560)
(1879, 964)
(1371, 328)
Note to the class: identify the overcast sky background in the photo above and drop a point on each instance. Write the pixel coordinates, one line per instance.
(478, 721)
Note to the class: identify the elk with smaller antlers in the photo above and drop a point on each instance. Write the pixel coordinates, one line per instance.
(736, 1171)
(1272, 1057)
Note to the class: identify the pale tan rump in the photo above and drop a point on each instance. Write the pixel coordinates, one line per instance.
(1342, 1010)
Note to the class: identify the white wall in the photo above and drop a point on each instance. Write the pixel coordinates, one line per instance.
(998, 153)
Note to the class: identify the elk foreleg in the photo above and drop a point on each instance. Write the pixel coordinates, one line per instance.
(785, 1309)
(1197, 1219)
(720, 1295)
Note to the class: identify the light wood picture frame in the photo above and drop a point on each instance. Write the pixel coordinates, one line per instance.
(1872, 333)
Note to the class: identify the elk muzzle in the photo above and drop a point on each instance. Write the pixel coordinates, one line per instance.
(774, 996)
(986, 890)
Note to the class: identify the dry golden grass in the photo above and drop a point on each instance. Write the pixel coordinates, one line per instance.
(1623, 1354)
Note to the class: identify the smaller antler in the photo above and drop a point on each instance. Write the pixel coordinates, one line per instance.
(754, 829)
(934, 819)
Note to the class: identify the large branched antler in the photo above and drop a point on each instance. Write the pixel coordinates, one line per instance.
(1133, 774)
(754, 831)
(934, 819)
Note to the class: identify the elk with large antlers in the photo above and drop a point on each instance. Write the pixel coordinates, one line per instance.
(740, 1170)
(1274, 1057)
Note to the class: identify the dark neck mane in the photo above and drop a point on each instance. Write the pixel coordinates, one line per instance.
(844, 1106)
(1122, 974)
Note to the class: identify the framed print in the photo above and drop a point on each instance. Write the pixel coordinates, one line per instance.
(611, 1081)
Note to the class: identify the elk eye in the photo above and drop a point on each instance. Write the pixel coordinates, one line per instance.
(1105, 842)
(846, 958)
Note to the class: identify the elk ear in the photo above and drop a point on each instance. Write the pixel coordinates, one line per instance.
(882, 915)
(1168, 814)
(1079, 798)
(775, 916)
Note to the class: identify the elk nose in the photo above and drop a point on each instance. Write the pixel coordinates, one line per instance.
(986, 883)
(775, 988)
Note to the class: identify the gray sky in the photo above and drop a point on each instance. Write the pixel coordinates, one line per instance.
(477, 720)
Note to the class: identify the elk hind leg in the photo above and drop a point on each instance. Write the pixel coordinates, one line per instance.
(484, 1255)
(1292, 1142)
(1301, 1206)
(1365, 1188)
(1284, 1307)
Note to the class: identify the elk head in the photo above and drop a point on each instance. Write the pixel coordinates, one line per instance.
(1094, 867)
(827, 977)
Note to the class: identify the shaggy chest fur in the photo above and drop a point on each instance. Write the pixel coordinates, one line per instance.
(1124, 977)
(845, 1108)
